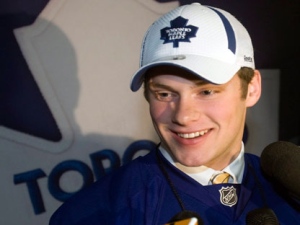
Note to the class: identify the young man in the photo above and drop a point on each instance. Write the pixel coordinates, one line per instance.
(199, 78)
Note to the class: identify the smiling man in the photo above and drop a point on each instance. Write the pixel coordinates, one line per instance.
(199, 123)
(199, 78)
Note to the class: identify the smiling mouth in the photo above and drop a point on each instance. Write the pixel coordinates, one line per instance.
(192, 135)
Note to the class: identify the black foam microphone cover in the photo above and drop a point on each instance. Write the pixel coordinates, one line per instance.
(281, 161)
(185, 214)
(261, 216)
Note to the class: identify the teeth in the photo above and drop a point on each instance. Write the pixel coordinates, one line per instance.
(193, 135)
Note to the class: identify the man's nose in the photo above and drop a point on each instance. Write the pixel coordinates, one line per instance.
(185, 111)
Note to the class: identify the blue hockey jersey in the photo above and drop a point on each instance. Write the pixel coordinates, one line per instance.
(138, 193)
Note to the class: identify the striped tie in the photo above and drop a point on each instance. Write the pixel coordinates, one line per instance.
(220, 178)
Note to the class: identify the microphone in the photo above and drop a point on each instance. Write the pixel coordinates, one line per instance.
(281, 161)
(262, 216)
(186, 217)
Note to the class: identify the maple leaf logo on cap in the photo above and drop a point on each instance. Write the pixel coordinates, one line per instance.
(178, 32)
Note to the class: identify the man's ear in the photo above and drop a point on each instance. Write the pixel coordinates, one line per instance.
(254, 89)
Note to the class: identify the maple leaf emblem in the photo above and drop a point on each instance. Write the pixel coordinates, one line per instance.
(178, 32)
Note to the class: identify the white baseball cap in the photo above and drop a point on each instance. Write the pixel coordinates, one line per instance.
(207, 41)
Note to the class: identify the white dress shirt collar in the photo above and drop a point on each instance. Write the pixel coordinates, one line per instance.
(202, 174)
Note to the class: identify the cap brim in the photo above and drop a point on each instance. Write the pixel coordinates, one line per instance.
(212, 70)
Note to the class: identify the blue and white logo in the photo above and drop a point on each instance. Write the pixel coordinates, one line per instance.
(178, 32)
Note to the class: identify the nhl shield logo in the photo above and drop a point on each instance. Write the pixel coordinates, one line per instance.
(228, 196)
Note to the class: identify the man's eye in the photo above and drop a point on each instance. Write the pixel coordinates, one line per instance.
(164, 96)
(207, 92)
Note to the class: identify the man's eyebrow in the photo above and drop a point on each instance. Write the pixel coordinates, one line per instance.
(154, 84)
(199, 82)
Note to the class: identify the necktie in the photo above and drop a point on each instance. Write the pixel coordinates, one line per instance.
(220, 178)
